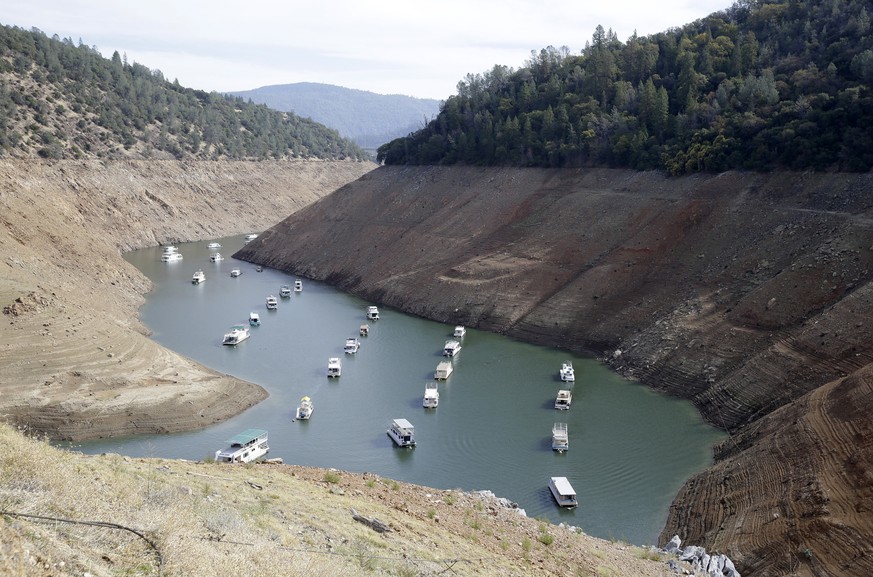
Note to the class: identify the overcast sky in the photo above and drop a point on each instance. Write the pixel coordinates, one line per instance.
(418, 48)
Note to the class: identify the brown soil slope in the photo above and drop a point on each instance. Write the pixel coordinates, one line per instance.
(741, 292)
(75, 362)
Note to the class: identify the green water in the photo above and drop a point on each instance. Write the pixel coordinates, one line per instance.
(630, 449)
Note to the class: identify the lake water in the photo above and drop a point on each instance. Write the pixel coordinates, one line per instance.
(630, 448)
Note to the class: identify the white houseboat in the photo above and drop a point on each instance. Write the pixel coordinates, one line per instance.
(373, 313)
(563, 400)
(443, 371)
(567, 373)
(251, 237)
(431, 396)
(198, 277)
(171, 257)
(304, 409)
(298, 286)
(272, 303)
(213, 245)
(352, 345)
(244, 447)
(364, 330)
(402, 433)
(560, 438)
(563, 491)
(334, 367)
(285, 291)
(235, 272)
(460, 331)
(236, 335)
(216, 257)
(254, 319)
(452, 348)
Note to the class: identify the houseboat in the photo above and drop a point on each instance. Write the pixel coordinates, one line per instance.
(352, 345)
(431, 396)
(567, 373)
(235, 272)
(402, 433)
(452, 348)
(373, 313)
(285, 291)
(251, 237)
(304, 409)
(216, 257)
(563, 491)
(244, 447)
(236, 335)
(254, 319)
(171, 257)
(460, 331)
(198, 277)
(272, 303)
(563, 400)
(213, 245)
(334, 367)
(443, 371)
(560, 438)
(364, 330)
(298, 286)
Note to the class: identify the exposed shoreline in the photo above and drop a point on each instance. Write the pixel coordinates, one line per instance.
(77, 362)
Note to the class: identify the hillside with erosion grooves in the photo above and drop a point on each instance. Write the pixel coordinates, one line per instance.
(748, 294)
(76, 362)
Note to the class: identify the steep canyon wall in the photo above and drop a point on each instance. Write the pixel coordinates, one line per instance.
(747, 294)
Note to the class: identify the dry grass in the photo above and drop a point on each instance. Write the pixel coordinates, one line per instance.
(211, 519)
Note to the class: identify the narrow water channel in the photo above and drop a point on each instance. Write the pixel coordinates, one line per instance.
(630, 449)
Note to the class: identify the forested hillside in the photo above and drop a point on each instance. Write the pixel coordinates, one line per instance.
(369, 119)
(765, 84)
(64, 100)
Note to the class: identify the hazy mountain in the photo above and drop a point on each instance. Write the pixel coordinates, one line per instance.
(367, 118)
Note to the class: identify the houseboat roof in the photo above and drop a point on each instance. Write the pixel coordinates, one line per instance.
(403, 424)
(246, 436)
(563, 486)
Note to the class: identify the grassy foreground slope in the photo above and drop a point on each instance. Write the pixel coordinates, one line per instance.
(156, 516)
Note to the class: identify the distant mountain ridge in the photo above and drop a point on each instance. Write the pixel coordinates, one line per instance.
(367, 118)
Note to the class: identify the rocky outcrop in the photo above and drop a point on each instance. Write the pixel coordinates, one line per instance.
(694, 560)
(745, 293)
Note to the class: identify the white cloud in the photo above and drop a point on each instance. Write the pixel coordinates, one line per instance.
(420, 48)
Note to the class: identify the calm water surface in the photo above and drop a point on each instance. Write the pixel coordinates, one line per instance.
(630, 449)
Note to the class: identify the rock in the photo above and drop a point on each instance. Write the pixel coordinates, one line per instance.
(692, 552)
(673, 545)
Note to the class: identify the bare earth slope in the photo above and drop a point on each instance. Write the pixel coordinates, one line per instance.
(76, 363)
(748, 294)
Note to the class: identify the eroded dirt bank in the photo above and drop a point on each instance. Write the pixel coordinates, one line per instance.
(75, 362)
(748, 294)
